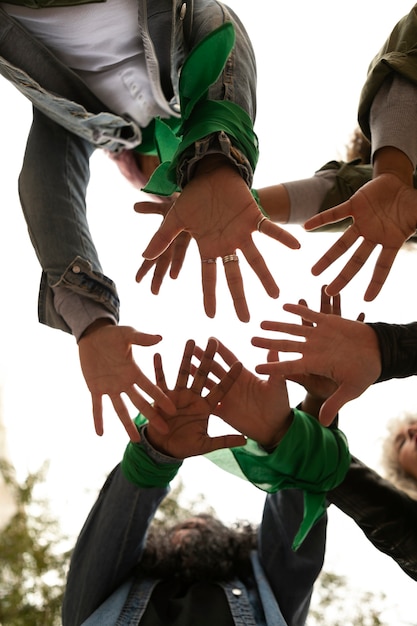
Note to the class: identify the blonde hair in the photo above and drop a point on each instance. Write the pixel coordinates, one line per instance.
(389, 459)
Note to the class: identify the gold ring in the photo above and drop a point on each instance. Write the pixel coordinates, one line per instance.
(230, 257)
(260, 222)
(208, 260)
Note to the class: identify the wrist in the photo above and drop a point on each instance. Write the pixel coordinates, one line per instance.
(96, 325)
(390, 160)
(274, 440)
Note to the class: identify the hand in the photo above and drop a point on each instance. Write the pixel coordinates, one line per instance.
(218, 210)
(173, 256)
(187, 428)
(384, 212)
(255, 407)
(345, 351)
(109, 369)
(319, 388)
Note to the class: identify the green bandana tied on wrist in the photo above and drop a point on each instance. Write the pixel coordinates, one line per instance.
(143, 471)
(200, 116)
(310, 457)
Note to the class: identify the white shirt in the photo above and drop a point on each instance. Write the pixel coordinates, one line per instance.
(101, 43)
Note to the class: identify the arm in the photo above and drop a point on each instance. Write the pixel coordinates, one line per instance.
(112, 539)
(383, 210)
(387, 516)
(214, 162)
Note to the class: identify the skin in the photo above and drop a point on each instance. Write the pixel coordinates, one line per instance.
(109, 369)
(217, 209)
(384, 213)
(406, 447)
(343, 351)
(187, 428)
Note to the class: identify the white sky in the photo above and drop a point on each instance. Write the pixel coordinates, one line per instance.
(312, 61)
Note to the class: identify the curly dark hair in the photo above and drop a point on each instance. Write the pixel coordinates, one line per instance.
(200, 549)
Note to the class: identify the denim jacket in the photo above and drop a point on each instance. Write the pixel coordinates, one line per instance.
(110, 544)
(69, 122)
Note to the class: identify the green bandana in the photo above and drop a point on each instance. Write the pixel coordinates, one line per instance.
(138, 467)
(199, 115)
(310, 457)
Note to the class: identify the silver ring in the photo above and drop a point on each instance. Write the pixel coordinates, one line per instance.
(260, 222)
(208, 260)
(230, 257)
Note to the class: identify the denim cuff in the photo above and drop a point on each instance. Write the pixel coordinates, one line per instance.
(218, 143)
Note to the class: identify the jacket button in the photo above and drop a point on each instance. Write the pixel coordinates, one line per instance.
(183, 10)
(237, 592)
(76, 269)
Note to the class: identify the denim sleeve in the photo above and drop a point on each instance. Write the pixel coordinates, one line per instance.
(52, 188)
(109, 545)
(291, 574)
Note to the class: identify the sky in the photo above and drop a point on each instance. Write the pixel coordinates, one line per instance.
(312, 61)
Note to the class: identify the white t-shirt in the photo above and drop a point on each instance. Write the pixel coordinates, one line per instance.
(101, 43)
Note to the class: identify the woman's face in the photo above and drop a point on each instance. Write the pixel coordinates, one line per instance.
(406, 446)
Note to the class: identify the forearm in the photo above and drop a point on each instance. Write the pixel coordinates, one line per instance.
(387, 516)
(109, 545)
(114, 533)
(393, 123)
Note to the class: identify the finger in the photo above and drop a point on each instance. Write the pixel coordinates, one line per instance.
(166, 233)
(159, 373)
(336, 305)
(227, 355)
(332, 405)
(148, 411)
(161, 268)
(285, 327)
(98, 413)
(223, 441)
(184, 370)
(124, 417)
(335, 251)
(220, 390)
(279, 234)
(152, 208)
(325, 301)
(154, 392)
(178, 254)
(303, 312)
(208, 281)
(361, 317)
(351, 268)
(282, 368)
(235, 283)
(257, 263)
(143, 270)
(204, 367)
(382, 269)
(330, 216)
(143, 339)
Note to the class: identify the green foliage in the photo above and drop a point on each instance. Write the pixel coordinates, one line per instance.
(336, 603)
(32, 565)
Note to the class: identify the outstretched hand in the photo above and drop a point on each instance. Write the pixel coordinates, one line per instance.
(187, 428)
(217, 208)
(344, 351)
(384, 212)
(256, 407)
(109, 369)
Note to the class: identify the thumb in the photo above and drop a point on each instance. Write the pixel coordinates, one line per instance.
(151, 208)
(165, 234)
(143, 339)
(333, 404)
(224, 441)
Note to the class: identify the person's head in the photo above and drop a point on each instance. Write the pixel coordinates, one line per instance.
(399, 457)
(200, 548)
